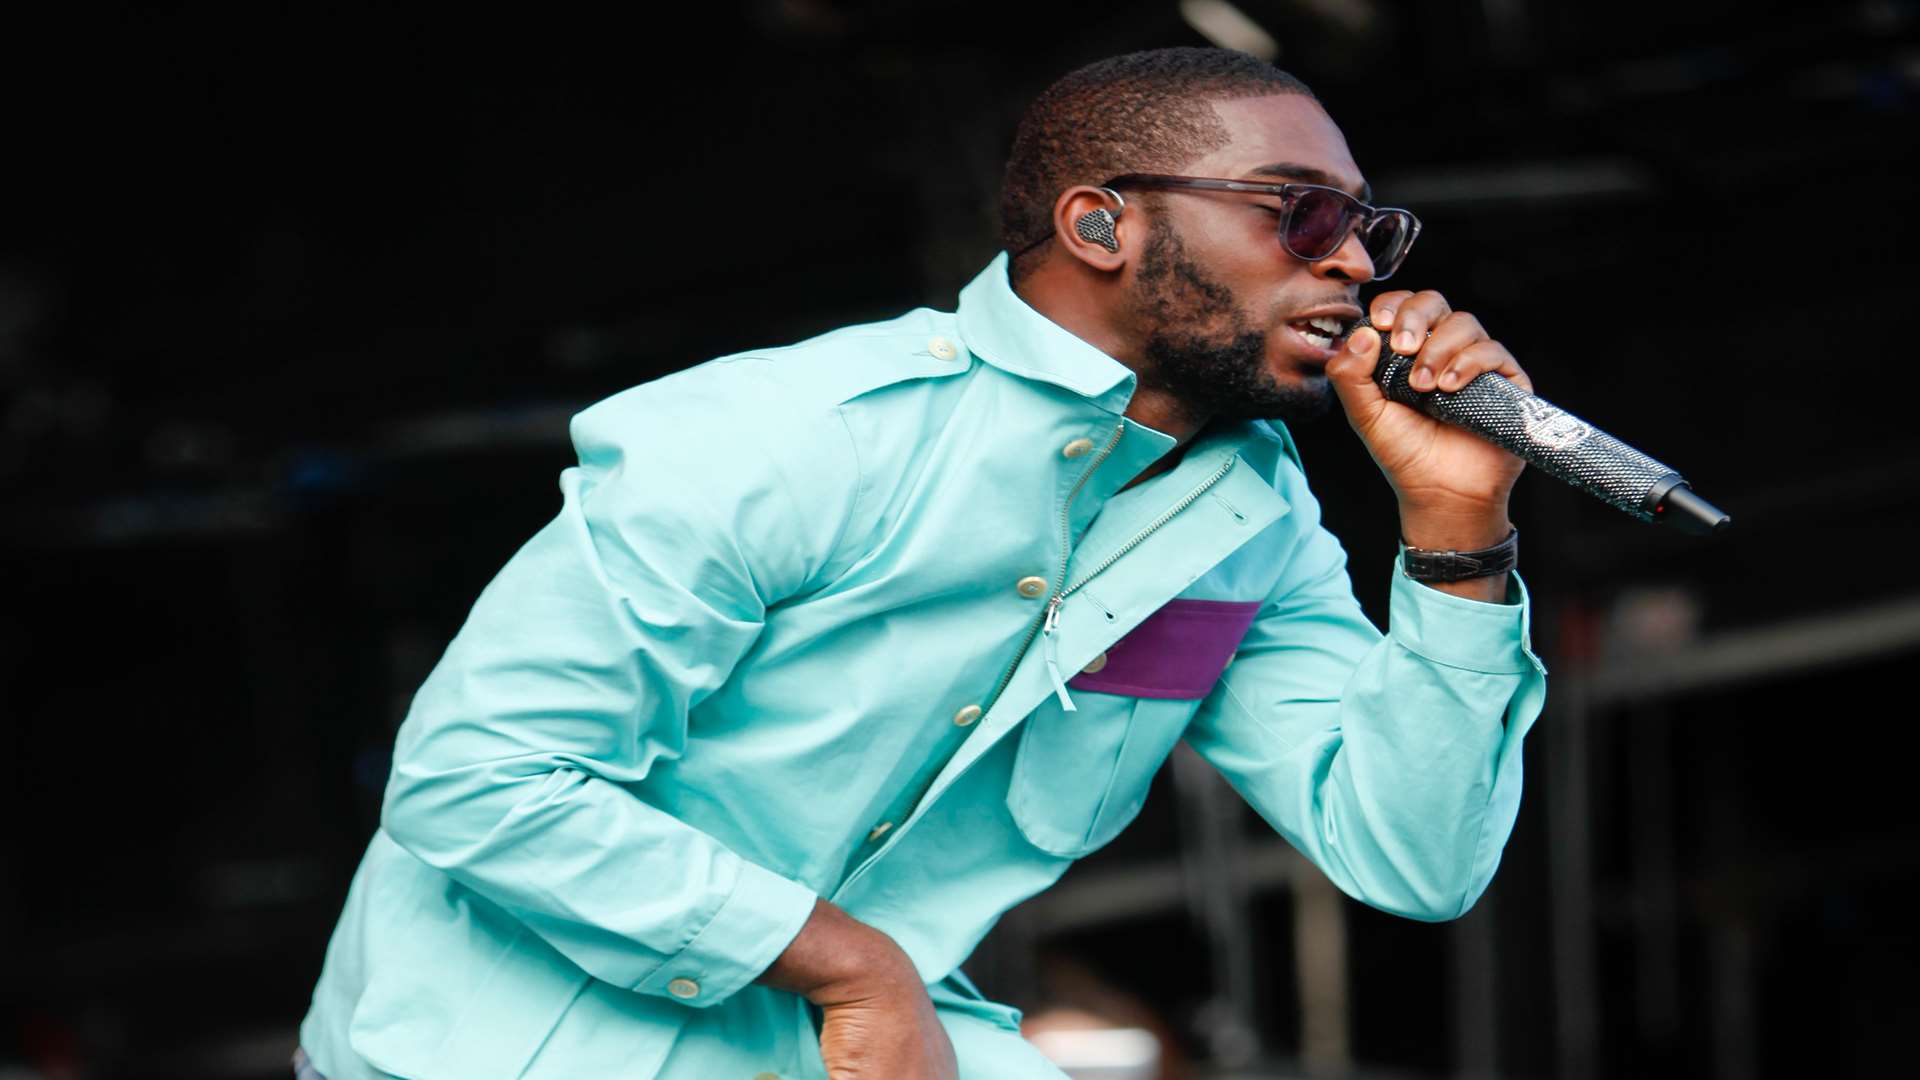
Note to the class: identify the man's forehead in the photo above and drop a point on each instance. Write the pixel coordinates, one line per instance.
(1282, 137)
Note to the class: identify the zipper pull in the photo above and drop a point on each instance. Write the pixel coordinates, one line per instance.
(1047, 629)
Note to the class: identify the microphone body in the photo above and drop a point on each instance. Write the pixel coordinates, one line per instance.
(1556, 442)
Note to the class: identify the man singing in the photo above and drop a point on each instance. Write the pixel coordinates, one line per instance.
(838, 650)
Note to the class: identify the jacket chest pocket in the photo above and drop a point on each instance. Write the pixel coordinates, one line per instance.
(1080, 777)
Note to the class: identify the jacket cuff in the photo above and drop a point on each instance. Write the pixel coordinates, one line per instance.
(1463, 633)
(756, 923)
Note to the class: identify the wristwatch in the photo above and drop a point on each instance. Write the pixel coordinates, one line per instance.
(1422, 564)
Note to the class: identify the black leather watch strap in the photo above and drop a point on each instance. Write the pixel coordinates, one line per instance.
(1422, 564)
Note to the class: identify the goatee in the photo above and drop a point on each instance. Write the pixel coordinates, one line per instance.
(1204, 353)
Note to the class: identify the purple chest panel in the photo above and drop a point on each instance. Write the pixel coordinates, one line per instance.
(1177, 652)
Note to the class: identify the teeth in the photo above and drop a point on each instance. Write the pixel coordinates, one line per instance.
(1317, 340)
(1326, 322)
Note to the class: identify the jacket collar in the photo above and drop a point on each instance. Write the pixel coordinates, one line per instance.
(1005, 331)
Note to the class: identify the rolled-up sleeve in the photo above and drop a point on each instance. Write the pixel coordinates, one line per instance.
(699, 500)
(1392, 761)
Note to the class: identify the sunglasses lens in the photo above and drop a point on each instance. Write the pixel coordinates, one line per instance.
(1317, 225)
(1321, 218)
(1386, 241)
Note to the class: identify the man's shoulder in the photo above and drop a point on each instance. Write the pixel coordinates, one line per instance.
(780, 400)
(787, 383)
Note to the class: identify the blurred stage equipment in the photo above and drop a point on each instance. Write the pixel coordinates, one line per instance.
(1099, 1053)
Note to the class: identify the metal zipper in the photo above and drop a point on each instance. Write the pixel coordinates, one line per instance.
(1050, 618)
(1143, 534)
(1066, 539)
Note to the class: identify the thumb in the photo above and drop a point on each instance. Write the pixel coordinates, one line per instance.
(1351, 371)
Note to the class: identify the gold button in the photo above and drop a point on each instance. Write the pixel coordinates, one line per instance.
(967, 715)
(1075, 448)
(879, 830)
(683, 988)
(1098, 663)
(1032, 587)
(942, 348)
(766, 1076)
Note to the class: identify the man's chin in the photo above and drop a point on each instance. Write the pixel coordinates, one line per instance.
(1301, 399)
(1235, 379)
(1319, 402)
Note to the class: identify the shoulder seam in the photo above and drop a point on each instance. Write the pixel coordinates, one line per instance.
(847, 332)
(859, 489)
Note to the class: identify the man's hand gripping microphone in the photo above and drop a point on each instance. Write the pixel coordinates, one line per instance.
(1557, 442)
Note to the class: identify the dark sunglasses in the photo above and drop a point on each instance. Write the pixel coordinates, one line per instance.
(1314, 219)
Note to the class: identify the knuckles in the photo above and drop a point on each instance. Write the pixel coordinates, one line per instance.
(1432, 305)
(1428, 309)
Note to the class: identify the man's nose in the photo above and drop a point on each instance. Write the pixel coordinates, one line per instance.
(1349, 261)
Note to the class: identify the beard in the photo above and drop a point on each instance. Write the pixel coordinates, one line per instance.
(1201, 349)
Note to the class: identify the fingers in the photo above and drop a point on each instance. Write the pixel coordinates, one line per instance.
(1482, 356)
(1351, 369)
(1409, 316)
(1441, 348)
(1449, 348)
(1380, 313)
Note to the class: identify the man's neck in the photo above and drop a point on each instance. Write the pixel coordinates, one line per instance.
(1072, 307)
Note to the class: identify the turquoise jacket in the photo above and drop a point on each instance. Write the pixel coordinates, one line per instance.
(869, 618)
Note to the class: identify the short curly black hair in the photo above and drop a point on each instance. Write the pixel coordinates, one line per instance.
(1141, 112)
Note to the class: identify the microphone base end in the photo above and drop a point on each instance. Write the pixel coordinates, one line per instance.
(1690, 513)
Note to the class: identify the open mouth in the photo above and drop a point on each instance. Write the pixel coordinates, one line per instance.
(1322, 331)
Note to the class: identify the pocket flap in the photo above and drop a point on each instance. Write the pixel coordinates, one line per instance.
(1179, 651)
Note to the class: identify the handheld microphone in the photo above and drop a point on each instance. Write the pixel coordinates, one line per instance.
(1556, 442)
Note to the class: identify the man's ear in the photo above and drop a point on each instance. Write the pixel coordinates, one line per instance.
(1092, 225)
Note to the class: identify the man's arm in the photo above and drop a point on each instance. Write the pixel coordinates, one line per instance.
(699, 501)
(1393, 763)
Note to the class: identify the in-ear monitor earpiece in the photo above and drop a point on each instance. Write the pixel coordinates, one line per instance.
(1096, 227)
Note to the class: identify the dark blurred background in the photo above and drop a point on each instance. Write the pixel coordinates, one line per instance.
(294, 306)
